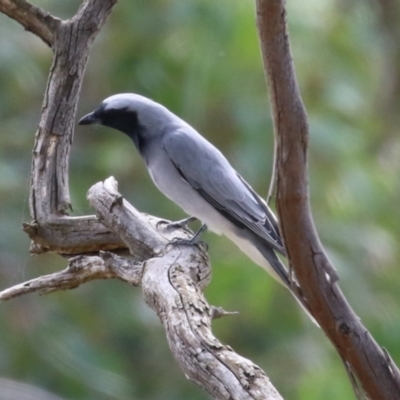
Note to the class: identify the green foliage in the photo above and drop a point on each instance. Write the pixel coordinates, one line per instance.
(201, 59)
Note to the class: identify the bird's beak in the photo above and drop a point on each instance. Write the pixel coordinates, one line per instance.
(88, 119)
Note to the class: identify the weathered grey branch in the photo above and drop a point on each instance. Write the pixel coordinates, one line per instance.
(379, 377)
(138, 231)
(51, 229)
(32, 18)
(71, 235)
(173, 279)
(80, 270)
(172, 286)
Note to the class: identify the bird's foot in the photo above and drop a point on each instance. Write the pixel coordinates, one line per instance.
(193, 241)
(182, 224)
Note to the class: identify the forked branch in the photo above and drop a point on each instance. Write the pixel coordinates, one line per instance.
(172, 279)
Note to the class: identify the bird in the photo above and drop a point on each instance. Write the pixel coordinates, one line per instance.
(195, 175)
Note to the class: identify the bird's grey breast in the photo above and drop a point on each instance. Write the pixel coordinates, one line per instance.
(166, 177)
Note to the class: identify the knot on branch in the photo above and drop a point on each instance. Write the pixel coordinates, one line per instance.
(344, 328)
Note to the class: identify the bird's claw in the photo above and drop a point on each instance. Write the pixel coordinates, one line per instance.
(193, 241)
(182, 224)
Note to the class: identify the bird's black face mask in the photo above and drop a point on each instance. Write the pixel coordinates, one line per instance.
(122, 119)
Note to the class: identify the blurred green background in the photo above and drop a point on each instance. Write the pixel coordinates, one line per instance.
(201, 59)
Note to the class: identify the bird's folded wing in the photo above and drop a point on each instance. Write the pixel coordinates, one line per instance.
(210, 174)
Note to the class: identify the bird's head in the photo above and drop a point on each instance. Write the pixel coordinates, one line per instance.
(137, 116)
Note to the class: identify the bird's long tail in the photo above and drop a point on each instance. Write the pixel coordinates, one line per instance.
(281, 274)
(263, 255)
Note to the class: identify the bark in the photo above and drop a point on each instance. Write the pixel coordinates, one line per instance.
(371, 365)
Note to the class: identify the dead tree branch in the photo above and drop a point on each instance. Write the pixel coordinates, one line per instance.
(379, 377)
(51, 229)
(81, 269)
(172, 279)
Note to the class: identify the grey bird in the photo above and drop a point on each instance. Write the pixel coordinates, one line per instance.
(197, 177)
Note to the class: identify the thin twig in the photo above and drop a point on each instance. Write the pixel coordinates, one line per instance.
(69, 278)
(81, 269)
